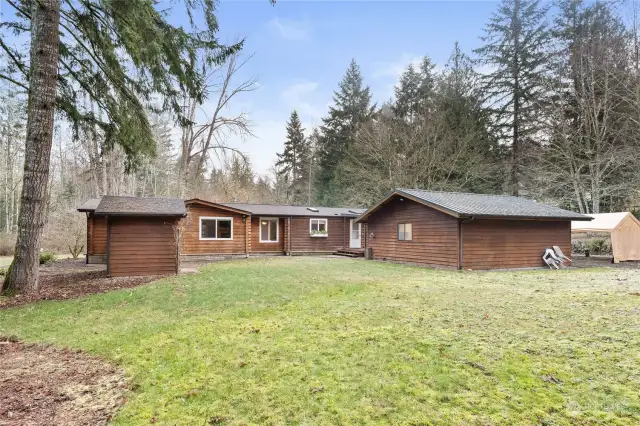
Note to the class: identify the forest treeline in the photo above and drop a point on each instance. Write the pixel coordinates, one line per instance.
(547, 108)
(552, 116)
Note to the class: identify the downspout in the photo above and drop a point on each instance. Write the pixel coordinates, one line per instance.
(247, 234)
(460, 241)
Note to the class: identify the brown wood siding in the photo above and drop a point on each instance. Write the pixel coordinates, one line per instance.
(435, 234)
(142, 246)
(500, 243)
(257, 246)
(96, 234)
(303, 242)
(190, 242)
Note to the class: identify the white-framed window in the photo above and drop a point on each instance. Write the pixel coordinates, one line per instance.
(318, 227)
(269, 229)
(405, 232)
(216, 228)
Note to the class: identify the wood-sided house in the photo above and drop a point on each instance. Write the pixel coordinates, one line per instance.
(234, 229)
(466, 231)
(147, 236)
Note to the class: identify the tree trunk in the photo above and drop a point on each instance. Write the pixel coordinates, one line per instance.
(8, 184)
(43, 79)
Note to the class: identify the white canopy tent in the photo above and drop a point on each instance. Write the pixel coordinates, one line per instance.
(624, 229)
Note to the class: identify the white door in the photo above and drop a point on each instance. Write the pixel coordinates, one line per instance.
(355, 237)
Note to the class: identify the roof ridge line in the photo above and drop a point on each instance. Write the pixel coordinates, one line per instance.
(461, 193)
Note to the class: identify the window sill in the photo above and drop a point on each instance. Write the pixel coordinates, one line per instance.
(216, 239)
(319, 236)
(268, 242)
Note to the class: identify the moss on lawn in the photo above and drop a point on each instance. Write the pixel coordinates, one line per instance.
(335, 341)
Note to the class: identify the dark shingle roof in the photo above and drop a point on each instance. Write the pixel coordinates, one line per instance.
(141, 206)
(280, 210)
(90, 205)
(481, 205)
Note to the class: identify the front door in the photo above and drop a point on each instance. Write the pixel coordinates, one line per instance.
(355, 236)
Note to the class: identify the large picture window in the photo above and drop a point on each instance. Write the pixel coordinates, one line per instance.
(268, 230)
(405, 232)
(216, 228)
(318, 227)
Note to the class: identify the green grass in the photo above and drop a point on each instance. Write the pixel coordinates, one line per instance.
(318, 341)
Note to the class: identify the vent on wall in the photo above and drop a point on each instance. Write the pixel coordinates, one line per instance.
(313, 209)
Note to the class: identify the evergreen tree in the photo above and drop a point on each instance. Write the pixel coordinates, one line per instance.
(515, 47)
(459, 105)
(415, 90)
(352, 107)
(293, 164)
(119, 54)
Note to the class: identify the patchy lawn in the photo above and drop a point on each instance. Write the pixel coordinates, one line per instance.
(336, 341)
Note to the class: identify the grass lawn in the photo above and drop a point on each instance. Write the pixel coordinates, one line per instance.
(337, 341)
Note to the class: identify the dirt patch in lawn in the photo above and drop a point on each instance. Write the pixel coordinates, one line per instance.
(70, 279)
(42, 385)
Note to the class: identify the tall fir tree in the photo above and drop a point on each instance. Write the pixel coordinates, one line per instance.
(415, 90)
(352, 107)
(293, 164)
(516, 40)
(459, 103)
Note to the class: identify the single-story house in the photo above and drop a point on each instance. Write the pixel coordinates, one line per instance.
(146, 236)
(465, 231)
(235, 229)
(624, 229)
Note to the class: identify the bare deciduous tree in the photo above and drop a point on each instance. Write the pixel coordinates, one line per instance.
(199, 140)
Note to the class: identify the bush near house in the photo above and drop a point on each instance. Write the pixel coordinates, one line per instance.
(47, 257)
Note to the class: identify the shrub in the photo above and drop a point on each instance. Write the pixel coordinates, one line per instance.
(3, 272)
(77, 245)
(599, 246)
(579, 246)
(47, 257)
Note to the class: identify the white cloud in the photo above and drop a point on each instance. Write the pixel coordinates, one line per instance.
(299, 96)
(289, 29)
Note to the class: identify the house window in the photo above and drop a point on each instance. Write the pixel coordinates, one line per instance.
(318, 227)
(405, 232)
(268, 230)
(216, 228)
